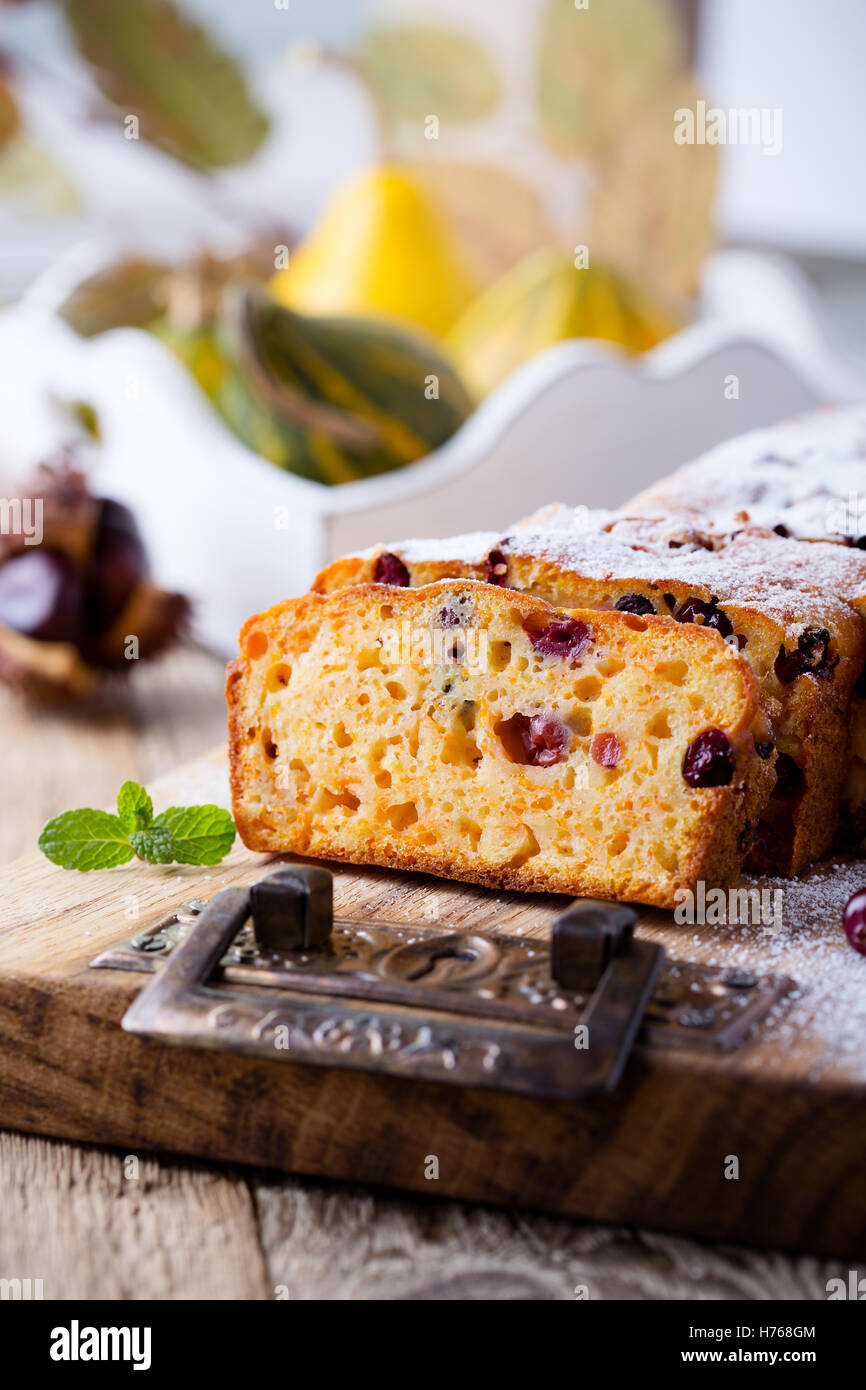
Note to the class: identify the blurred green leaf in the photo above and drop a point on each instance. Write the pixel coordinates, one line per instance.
(607, 83)
(130, 294)
(599, 69)
(419, 72)
(156, 63)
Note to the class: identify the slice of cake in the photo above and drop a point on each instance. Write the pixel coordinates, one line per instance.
(465, 730)
(805, 646)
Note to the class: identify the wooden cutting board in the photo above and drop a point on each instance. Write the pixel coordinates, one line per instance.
(765, 1144)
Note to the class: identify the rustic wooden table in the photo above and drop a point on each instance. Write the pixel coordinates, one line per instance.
(72, 1216)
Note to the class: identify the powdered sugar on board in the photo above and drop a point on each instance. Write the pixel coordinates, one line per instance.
(823, 1020)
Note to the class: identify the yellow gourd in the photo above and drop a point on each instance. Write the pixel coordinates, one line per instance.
(380, 248)
(543, 300)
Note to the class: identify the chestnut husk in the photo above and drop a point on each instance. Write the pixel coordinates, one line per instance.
(119, 600)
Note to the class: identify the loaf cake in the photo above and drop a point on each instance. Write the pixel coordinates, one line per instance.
(805, 645)
(805, 478)
(462, 729)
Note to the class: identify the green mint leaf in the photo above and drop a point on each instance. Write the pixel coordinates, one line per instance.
(200, 834)
(86, 840)
(154, 844)
(134, 807)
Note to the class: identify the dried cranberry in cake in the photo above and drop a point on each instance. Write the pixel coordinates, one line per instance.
(811, 657)
(536, 740)
(764, 747)
(567, 639)
(717, 619)
(496, 568)
(709, 760)
(606, 750)
(763, 737)
(689, 610)
(546, 739)
(389, 569)
(814, 643)
(855, 921)
(693, 610)
(634, 603)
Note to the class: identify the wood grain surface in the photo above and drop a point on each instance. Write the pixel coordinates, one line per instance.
(73, 1217)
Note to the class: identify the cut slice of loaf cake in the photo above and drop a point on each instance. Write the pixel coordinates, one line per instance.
(465, 730)
(806, 646)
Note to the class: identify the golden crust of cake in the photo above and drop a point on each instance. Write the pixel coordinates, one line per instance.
(597, 560)
(446, 729)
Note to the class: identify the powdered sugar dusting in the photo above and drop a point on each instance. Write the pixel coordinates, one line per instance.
(470, 549)
(751, 572)
(795, 474)
(752, 568)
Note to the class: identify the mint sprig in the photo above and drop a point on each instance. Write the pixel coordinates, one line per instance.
(88, 839)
